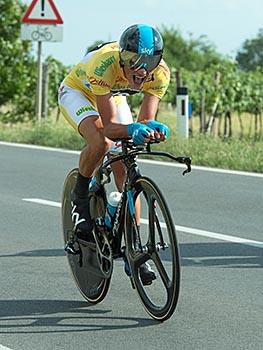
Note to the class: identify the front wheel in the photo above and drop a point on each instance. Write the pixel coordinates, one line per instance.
(155, 245)
(84, 266)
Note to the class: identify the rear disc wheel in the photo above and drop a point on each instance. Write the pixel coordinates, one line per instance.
(91, 284)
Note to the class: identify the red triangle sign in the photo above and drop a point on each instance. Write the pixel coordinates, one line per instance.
(42, 12)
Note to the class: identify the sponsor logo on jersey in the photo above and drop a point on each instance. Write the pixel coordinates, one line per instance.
(84, 109)
(80, 72)
(160, 87)
(104, 65)
(99, 82)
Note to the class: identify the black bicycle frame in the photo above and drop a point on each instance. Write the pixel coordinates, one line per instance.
(128, 156)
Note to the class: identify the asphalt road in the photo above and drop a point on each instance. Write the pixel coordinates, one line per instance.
(221, 301)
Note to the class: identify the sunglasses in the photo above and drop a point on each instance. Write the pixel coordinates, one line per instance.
(136, 61)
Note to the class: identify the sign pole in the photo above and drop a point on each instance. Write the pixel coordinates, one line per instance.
(39, 82)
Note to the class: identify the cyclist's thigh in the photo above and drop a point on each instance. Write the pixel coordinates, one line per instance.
(75, 106)
(124, 115)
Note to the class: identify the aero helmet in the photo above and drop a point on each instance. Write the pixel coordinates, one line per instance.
(141, 46)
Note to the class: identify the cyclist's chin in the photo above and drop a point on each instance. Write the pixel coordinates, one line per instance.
(138, 80)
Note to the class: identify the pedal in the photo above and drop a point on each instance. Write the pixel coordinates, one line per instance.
(70, 248)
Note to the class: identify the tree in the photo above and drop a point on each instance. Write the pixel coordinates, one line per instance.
(14, 53)
(250, 56)
(192, 54)
(57, 72)
(18, 68)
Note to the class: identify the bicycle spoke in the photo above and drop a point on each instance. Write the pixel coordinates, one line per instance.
(151, 215)
(159, 230)
(164, 276)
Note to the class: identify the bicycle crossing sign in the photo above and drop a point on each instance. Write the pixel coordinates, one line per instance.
(40, 22)
(41, 32)
(42, 12)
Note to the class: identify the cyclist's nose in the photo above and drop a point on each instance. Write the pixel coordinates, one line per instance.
(141, 72)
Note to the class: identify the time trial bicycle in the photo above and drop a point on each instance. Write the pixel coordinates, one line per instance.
(150, 238)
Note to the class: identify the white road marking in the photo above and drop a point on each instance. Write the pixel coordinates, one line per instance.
(41, 148)
(192, 231)
(145, 161)
(196, 167)
(214, 235)
(42, 201)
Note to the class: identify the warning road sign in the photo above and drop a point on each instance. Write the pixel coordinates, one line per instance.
(42, 12)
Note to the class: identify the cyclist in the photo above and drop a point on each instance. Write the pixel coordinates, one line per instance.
(92, 98)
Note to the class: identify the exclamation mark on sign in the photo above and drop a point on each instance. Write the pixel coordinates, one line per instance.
(42, 8)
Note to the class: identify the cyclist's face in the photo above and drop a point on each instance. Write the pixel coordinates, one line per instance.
(135, 77)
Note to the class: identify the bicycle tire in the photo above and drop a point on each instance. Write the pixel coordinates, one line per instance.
(168, 284)
(91, 285)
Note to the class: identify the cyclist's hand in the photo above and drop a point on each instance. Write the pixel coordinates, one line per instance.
(161, 130)
(140, 133)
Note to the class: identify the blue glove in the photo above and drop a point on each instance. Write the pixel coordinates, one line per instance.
(138, 132)
(159, 127)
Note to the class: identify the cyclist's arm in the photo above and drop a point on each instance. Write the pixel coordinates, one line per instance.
(148, 108)
(148, 112)
(108, 111)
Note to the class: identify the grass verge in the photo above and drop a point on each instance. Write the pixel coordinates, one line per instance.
(235, 154)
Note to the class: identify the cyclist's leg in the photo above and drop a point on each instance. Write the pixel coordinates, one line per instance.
(91, 156)
(124, 116)
(83, 116)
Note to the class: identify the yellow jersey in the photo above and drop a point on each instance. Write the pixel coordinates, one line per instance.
(100, 73)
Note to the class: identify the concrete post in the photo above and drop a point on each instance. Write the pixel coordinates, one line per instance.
(182, 108)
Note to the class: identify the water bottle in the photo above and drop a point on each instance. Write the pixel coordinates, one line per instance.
(113, 201)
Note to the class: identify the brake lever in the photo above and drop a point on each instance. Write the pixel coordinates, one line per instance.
(188, 170)
(187, 162)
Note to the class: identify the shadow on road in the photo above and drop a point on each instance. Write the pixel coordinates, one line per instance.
(231, 255)
(37, 253)
(28, 316)
(192, 254)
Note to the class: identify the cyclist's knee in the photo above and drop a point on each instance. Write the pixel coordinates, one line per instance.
(99, 146)
(102, 145)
